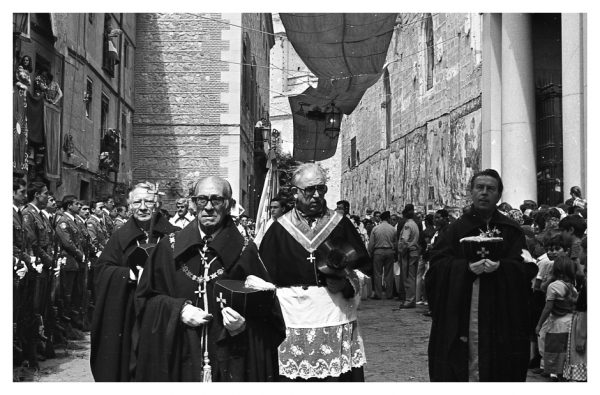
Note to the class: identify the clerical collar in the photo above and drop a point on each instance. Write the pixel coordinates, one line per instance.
(35, 207)
(68, 214)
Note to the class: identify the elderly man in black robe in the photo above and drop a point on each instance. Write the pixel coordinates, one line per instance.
(180, 319)
(304, 251)
(116, 273)
(479, 328)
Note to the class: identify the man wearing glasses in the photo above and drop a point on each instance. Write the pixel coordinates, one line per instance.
(182, 218)
(179, 314)
(309, 252)
(115, 283)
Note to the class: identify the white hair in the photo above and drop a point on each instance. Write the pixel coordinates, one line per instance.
(147, 186)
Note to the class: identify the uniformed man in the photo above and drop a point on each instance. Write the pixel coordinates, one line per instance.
(121, 217)
(71, 240)
(22, 262)
(39, 238)
(107, 206)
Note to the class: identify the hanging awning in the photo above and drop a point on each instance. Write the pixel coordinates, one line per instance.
(346, 52)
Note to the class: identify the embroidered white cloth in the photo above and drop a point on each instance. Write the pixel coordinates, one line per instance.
(321, 352)
(316, 307)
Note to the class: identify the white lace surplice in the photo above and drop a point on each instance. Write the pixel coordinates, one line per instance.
(322, 336)
(321, 352)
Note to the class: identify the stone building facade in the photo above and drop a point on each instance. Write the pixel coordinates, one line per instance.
(201, 86)
(88, 131)
(458, 95)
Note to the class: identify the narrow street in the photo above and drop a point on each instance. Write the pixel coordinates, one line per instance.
(395, 344)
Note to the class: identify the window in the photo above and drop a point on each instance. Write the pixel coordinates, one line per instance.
(126, 54)
(246, 72)
(104, 114)
(429, 44)
(110, 55)
(353, 151)
(124, 130)
(388, 107)
(21, 24)
(87, 98)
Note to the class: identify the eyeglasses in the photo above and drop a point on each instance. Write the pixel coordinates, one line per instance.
(311, 189)
(138, 203)
(215, 200)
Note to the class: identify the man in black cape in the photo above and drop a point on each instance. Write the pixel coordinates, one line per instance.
(479, 328)
(173, 317)
(115, 284)
(300, 250)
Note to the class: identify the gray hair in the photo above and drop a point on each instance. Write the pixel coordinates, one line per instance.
(298, 170)
(227, 191)
(146, 185)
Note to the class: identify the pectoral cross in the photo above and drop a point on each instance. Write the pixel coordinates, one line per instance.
(200, 291)
(221, 300)
(483, 252)
(311, 258)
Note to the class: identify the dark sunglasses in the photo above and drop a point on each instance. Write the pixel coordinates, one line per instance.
(311, 189)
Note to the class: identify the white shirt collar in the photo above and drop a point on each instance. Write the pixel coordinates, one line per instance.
(68, 214)
(15, 208)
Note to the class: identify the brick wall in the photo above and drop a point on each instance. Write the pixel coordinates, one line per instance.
(435, 143)
(177, 121)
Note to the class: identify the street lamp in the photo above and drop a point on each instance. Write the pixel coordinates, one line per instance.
(333, 120)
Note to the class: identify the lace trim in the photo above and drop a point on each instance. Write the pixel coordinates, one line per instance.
(321, 352)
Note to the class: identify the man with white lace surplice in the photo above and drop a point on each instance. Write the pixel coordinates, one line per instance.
(311, 252)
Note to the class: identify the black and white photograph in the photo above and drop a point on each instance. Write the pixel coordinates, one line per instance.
(315, 196)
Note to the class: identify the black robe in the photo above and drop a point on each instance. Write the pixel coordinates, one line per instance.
(503, 311)
(169, 350)
(114, 317)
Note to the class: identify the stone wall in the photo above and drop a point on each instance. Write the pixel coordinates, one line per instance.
(435, 134)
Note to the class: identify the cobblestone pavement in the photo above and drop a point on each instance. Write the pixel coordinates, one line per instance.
(396, 342)
(395, 346)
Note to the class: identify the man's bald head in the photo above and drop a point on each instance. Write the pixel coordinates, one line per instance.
(214, 182)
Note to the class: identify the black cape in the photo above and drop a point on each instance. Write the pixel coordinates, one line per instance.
(169, 350)
(114, 317)
(503, 311)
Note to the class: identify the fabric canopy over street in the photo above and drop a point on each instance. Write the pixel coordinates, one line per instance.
(346, 52)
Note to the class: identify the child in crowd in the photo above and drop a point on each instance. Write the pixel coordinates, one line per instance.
(555, 322)
(553, 245)
(576, 364)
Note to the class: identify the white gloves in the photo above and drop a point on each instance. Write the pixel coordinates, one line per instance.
(484, 266)
(233, 321)
(22, 272)
(194, 316)
(132, 276)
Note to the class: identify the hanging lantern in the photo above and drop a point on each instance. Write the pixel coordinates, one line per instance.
(333, 120)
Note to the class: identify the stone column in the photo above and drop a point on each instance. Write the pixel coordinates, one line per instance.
(518, 110)
(491, 130)
(574, 92)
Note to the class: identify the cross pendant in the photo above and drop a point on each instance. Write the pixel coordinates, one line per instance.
(483, 252)
(311, 258)
(221, 300)
(200, 291)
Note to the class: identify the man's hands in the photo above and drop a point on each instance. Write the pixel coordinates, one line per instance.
(484, 266)
(194, 316)
(22, 272)
(132, 275)
(233, 321)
